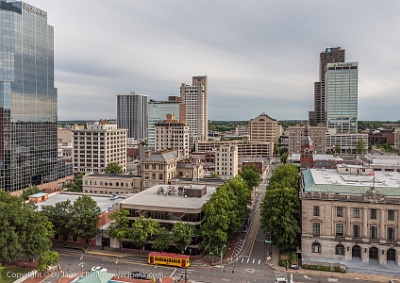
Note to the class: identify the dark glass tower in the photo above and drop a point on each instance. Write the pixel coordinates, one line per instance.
(28, 99)
(330, 55)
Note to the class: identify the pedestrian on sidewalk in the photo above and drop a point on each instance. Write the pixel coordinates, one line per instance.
(287, 265)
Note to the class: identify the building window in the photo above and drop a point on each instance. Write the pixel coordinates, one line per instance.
(356, 212)
(356, 231)
(316, 248)
(390, 234)
(373, 213)
(339, 229)
(339, 211)
(316, 229)
(390, 215)
(339, 249)
(373, 232)
(316, 211)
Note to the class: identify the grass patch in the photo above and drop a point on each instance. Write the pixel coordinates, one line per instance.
(10, 274)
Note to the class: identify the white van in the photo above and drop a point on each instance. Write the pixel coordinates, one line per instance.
(281, 280)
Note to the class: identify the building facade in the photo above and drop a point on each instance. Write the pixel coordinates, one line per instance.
(132, 114)
(227, 161)
(157, 111)
(348, 213)
(316, 133)
(97, 146)
(346, 143)
(264, 129)
(245, 148)
(172, 133)
(330, 55)
(195, 98)
(341, 97)
(28, 98)
(111, 184)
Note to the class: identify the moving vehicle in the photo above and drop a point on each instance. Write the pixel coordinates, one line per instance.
(99, 269)
(170, 259)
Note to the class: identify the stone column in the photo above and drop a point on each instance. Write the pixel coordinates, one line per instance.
(365, 224)
(348, 224)
(382, 225)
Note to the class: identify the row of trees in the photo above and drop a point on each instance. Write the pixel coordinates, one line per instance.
(227, 208)
(280, 209)
(144, 230)
(79, 218)
(24, 232)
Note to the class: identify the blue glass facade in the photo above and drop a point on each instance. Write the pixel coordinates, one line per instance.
(28, 98)
(341, 96)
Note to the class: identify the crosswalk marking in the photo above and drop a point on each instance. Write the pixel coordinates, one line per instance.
(248, 260)
(259, 261)
(242, 259)
(253, 260)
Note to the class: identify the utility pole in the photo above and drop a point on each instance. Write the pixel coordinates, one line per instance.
(117, 265)
(81, 264)
(222, 250)
(185, 274)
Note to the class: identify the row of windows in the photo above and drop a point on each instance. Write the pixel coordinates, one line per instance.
(373, 213)
(117, 184)
(373, 231)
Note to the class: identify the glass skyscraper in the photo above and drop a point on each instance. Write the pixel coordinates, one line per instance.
(341, 96)
(157, 112)
(28, 98)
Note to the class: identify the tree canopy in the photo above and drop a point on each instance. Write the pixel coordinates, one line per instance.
(281, 207)
(23, 230)
(113, 168)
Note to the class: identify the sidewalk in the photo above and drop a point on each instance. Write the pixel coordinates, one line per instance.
(274, 262)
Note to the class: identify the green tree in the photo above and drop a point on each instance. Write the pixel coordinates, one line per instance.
(162, 239)
(251, 175)
(221, 218)
(276, 149)
(280, 216)
(77, 186)
(119, 229)
(284, 157)
(243, 195)
(47, 259)
(113, 168)
(84, 218)
(284, 175)
(182, 235)
(23, 230)
(360, 146)
(139, 235)
(60, 215)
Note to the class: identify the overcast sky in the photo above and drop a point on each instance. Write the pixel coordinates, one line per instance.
(259, 56)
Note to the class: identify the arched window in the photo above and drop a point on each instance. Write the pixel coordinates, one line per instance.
(339, 250)
(316, 248)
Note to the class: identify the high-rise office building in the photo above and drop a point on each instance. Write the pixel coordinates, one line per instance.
(330, 55)
(28, 98)
(132, 114)
(341, 97)
(157, 111)
(195, 97)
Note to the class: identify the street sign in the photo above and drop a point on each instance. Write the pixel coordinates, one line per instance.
(268, 241)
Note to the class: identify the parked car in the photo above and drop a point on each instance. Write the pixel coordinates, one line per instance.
(99, 269)
(294, 266)
(138, 275)
(281, 280)
(114, 197)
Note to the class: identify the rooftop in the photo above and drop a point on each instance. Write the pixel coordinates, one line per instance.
(330, 181)
(153, 197)
(103, 202)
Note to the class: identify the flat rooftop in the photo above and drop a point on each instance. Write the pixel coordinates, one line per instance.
(153, 198)
(330, 181)
(103, 202)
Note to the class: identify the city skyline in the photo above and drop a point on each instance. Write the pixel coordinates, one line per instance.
(259, 57)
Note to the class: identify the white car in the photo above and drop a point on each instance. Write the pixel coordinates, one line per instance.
(99, 268)
(114, 197)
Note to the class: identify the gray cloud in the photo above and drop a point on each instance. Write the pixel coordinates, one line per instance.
(260, 56)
